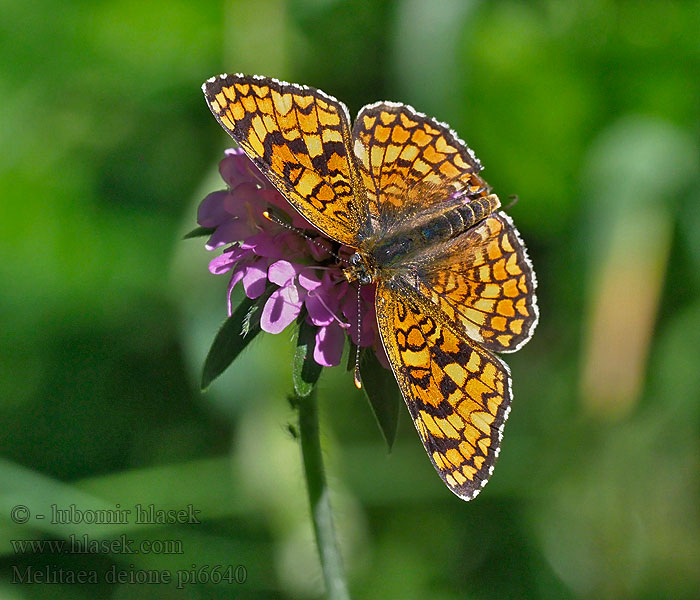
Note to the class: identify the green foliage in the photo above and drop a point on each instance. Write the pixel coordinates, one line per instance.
(382, 393)
(234, 336)
(305, 370)
(198, 232)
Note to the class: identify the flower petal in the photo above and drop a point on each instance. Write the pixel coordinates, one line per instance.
(323, 305)
(281, 308)
(231, 231)
(274, 198)
(212, 210)
(241, 197)
(282, 272)
(319, 249)
(264, 244)
(329, 345)
(237, 274)
(368, 329)
(368, 317)
(254, 279)
(308, 280)
(234, 167)
(318, 312)
(224, 262)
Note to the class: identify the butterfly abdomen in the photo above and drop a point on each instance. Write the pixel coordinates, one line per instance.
(433, 229)
(469, 214)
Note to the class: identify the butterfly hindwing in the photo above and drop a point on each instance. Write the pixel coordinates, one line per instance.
(300, 138)
(483, 280)
(457, 393)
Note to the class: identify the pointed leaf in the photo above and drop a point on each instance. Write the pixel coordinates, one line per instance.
(199, 232)
(233, 337)
(306, 370)
(352, 352)
(383, 394)
(251, 321)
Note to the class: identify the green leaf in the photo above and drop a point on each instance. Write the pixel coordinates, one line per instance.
(383, 394)
(233, 337)
(251, 320)
(306, 370)
(352, 351)
(199, 232)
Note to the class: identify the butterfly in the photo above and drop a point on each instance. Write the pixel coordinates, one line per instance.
(454, 282)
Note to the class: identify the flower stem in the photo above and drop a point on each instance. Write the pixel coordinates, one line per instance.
(319, 498)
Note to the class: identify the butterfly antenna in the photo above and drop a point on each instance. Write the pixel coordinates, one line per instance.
(358, 381)
(270, 217)
(513, 201)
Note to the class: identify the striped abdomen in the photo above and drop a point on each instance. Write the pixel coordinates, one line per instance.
(433, 229)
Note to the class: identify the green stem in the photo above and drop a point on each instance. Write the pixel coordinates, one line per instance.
(319, 498)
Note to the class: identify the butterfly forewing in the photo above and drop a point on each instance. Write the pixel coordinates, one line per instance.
(406, 157)
(457, 393)
(299, 137)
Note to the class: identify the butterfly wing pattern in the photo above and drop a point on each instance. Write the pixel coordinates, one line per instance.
(442, 313)
(484, 280)
(402, 155)
(299, 138)
(457, 393)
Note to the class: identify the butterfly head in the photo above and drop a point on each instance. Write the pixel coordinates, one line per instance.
(359, 270)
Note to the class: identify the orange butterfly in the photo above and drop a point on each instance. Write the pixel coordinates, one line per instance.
(454, 283)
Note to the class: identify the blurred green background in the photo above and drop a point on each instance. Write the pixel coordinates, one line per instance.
(589, 112)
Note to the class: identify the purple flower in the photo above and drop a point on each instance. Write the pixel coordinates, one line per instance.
(258, 252)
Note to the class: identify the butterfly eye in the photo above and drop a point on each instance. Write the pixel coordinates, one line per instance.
(365, 279)
(355, 259)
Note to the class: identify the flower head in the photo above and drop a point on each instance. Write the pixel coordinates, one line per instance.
(290, 273)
